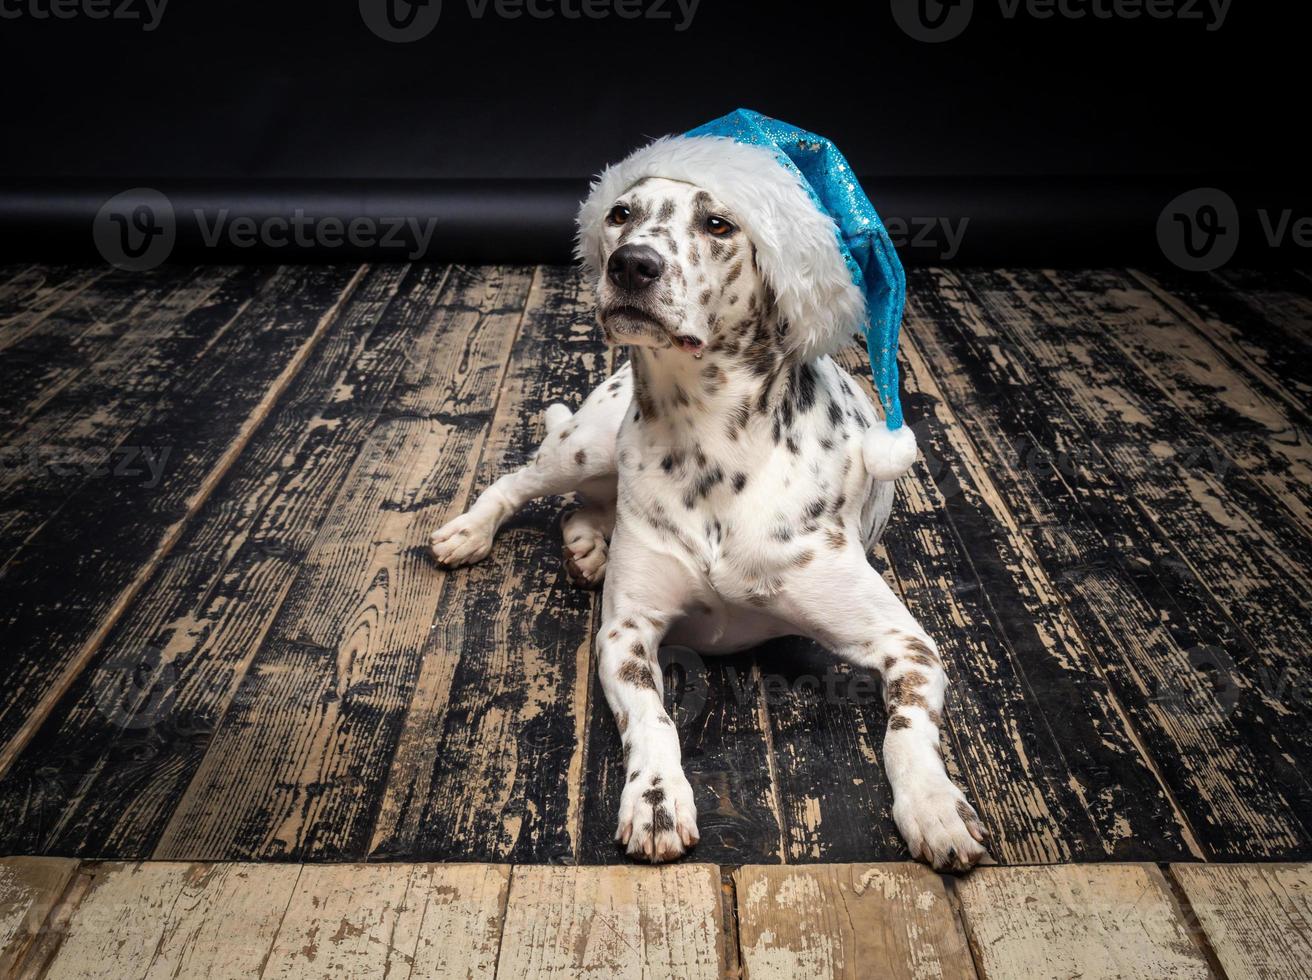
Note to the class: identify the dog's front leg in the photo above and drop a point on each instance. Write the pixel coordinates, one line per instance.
(847, 606)
(657, 818)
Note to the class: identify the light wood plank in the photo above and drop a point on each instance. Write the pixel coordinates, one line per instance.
(460, 920)
(29, 889)
(848, 920)
(1113, 921)
(115, 930)
(613, 922)
(391, 920)
(1257, 917)
(223, 921)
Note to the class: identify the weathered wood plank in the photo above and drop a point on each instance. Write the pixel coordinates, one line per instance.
(489, 763)
(115, 754)
(1117, 921)
(826, 731)
(75, 433)
(34, 292)
(613, 923)
(1224, 533)
(1148, 633)
(848, 921)
(29, 889)
(66, 589)
(1257, 917)
(1282, 296)
(383, 920)
(62, 344)
(1243, 420)
(1052, 782)
(298, 763)
(1245, 326)
(719, 710)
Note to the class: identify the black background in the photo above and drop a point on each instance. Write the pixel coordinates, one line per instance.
(246, 88)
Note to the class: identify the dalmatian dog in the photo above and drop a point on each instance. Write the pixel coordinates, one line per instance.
(725, 501)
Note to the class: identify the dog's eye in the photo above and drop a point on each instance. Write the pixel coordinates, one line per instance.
(718, 226)
(618, 215)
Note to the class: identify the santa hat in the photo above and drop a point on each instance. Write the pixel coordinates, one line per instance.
(819, 244)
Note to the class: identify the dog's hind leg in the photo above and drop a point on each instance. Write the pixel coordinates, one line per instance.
(578, 453)
(586, 530)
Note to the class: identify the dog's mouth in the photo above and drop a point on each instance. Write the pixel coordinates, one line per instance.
(628, 315)
(632, 314)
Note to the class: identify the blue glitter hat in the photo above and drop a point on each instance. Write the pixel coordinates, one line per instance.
(820, 244)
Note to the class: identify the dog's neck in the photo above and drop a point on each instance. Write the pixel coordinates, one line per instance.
(741, 375)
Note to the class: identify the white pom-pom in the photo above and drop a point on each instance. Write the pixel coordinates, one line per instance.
(888, 453)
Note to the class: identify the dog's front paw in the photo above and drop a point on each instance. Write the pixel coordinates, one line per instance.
(462, 541)
(658, 819)
(939, 826)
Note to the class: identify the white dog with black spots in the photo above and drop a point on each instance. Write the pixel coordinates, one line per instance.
(725, 500)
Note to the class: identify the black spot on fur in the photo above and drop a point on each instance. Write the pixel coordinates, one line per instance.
(739, 481)
(703, 486)
(637, 673)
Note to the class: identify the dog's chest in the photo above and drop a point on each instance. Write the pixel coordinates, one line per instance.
(743, 504)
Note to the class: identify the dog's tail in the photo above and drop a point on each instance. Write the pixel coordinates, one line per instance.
(556, 415)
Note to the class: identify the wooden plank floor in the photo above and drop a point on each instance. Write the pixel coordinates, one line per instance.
(166, 919)
(223, 638)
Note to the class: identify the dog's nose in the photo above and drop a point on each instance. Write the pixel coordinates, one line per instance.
(634, 267)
